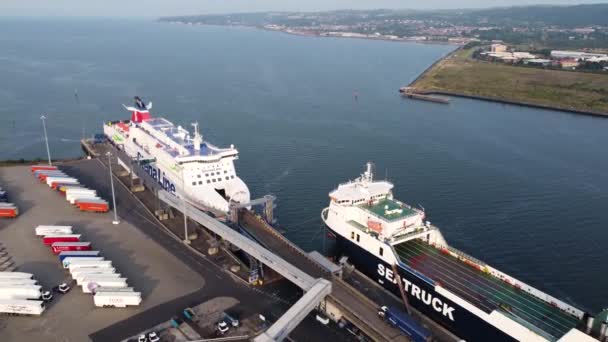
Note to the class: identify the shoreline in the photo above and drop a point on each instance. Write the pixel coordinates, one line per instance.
(318, 35)
(423, 91)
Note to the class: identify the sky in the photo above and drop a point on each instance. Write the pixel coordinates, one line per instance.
(156, 8)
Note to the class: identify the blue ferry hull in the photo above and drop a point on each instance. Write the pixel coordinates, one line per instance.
(425, 299)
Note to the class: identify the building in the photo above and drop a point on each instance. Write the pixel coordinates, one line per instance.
(557, 54)
(498, 48)
(569, 63)
(538, 62)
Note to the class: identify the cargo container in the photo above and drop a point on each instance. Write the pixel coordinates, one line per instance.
(53, 230)
(42, 167)
(97, 206)
(87, 271)
(37, 173)
(82, 198)
(20, 291)
(76, 254)
(71, 192)
(95, 277)
(114, 289)
(17, 282)
(90, 286)
(21, 307)
(64, 188)
(58, 186)
(50, 239)
(55, 184)
(93, 263)
(43, 176)
(405, 323)
(59, 247)
(64, 180)
(117, 299)
(16, 275)
(8, 211)
(66, 262)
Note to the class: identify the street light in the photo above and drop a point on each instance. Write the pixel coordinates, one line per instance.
(112, 185)
(186, 240)
(46, 138)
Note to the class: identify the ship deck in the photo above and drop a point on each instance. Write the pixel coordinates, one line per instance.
(483, 290)
(389, 209)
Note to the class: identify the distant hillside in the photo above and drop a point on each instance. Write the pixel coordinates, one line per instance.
(563, 16)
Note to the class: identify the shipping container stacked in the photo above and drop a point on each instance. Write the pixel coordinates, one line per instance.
(20, 294)
(88, 268)
(83, 198)
(7, 209)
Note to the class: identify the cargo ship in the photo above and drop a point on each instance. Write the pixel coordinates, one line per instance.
(393, 244)
(183, 164)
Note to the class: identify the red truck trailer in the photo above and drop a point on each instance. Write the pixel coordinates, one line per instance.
(51, 239)
(92, 205)
(59, 247)
(42, 167)
(8, 210)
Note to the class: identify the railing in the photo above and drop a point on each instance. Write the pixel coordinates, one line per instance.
(407, 236)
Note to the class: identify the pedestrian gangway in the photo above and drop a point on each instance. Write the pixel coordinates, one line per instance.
(316, 289)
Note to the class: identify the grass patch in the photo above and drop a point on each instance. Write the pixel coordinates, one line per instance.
(564, 89)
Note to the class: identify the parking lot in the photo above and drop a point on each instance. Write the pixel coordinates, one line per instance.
(149, 268)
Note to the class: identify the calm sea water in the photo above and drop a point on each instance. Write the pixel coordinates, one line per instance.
(525, 190)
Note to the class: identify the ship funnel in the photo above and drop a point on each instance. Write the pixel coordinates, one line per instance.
(198, 138)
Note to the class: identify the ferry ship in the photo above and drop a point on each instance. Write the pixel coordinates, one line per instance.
(183, 164)
(393, 244)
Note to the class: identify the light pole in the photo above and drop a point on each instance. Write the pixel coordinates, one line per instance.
(46, 138)
(112, 186)
(186, 240)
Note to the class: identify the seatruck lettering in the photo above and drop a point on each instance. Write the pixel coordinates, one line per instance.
(418, 293)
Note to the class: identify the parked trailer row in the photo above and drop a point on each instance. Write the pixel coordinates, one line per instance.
(84, 199)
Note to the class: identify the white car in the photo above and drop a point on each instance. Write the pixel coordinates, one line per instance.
(222, 327)
(142, 338)
(153, 337)
(63, 288)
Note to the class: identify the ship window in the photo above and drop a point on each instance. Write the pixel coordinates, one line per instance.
(352, 235)
(225, 171)
(200, 182)
(227, 178)
(381, 251)
(193, 183)
(358, 237)
(208, 181)
(199, 176)
(206, 175)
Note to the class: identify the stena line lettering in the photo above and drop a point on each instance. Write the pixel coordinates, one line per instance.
(418, 293)
(158, 176)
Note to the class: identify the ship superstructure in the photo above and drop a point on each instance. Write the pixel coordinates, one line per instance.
(183, 164)
(392, 243)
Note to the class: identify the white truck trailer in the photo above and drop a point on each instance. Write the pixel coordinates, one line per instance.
(66, 262)
(21, 307)
(88, 286)
(17, 282)
(53, 230)
(20, 292)
(16, 275)
(117, 299)
(87, 278)
(90, 264)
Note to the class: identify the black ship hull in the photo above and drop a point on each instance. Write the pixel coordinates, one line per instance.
(421, 295)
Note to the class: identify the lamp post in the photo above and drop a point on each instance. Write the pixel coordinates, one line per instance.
(186, 240)
(46, 138)
(112, 186)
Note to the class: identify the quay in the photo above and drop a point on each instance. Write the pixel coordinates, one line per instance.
(343, 302)
(418, 95)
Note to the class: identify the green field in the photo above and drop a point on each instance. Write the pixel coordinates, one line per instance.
(460, 74)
